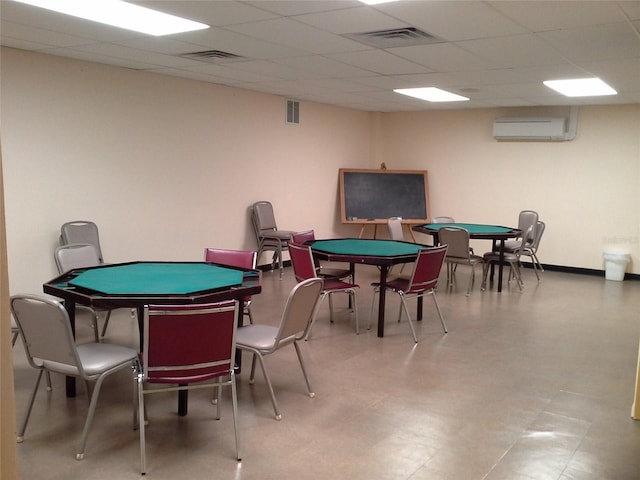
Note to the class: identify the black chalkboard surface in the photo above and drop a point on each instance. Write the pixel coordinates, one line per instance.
(373, 196)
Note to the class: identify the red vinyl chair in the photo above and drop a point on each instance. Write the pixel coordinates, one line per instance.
(234, 258)
(304, 269)
(186, 347)
(423, 281)
(323, 271)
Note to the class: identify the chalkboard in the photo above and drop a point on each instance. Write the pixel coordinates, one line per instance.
(373, 196)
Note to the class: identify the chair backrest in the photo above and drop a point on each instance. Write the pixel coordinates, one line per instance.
(46, 331)
(302, 261)
(232, 258)
(302, 237)
(457, 240)
(526, 219)
(76, 255)
(537, 236)
(443, 220)
(263, 216)
(427, 269)
(189, 343)
(395, 228)
(81, 231)
(527, 239)
(299, 311)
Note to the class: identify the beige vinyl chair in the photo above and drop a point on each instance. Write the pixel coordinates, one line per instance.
(526, 219)
(295, 324)
(81, 255)
(50, 347)
(513, 259)
(458, 253)
(443, 220)
(81, 231)
(394, 224)
(531, 250)
(15, 331)
(85, 231)
(268, 236)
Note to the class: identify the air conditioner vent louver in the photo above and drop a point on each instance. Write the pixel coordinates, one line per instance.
(396, 37)
(530, 128)
(214, 56)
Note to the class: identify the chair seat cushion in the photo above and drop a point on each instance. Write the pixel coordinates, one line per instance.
(258, 337)
(495, 257)
(471, 260)
(96, 358)
(332, 283)
(333, 272)
(277, 234)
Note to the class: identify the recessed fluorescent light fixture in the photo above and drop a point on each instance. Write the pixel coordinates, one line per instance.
(376, 2)
(431, 94)
(581, 87)
(121, 14)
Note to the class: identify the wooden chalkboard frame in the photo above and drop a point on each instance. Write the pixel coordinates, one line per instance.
(377, 184)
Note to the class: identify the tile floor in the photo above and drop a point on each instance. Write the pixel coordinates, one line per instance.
(533, 385)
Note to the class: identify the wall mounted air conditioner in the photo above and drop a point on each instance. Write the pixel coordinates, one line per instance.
(531, 129)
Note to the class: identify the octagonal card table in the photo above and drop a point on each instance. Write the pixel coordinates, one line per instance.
(136, 284)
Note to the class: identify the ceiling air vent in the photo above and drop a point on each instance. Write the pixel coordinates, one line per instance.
(214, 56)
(396, 37)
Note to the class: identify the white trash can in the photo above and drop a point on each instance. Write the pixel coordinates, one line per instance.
(615, 263)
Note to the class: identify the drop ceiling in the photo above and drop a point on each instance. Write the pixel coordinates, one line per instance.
(497, 53)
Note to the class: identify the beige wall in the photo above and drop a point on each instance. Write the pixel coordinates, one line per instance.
(167, 166)
(164, 166)
(587, 190)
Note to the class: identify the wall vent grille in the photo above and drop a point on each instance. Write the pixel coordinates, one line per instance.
(293, 112)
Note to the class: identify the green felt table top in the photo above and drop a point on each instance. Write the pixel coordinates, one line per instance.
(470, 227)
(368, 247)
(157, 278)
